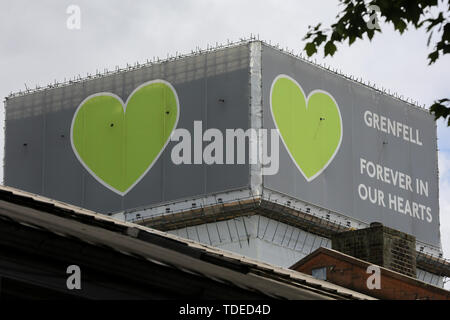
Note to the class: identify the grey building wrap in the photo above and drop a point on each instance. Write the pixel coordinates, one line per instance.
(39, 157)
(337, 187)
(216, 88)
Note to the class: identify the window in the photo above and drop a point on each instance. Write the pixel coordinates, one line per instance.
(319, 273)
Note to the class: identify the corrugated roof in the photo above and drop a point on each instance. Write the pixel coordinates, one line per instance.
(156, 246)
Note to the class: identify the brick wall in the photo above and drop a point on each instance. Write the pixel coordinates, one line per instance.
(380, 245)
(351, 273)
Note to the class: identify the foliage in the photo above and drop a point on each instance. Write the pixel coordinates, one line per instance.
(359, 18)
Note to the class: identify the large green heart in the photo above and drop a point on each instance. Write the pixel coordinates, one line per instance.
(310, 128)
(118, 142)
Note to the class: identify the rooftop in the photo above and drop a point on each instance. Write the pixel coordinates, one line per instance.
(31, 213)
(351, 272)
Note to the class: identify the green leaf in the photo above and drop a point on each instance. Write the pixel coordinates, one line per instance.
(446, 49)
(320, 37)
(446, 34)
(310, 49)
(400, 25)
(339, 28)
(433, 57)
(330, 48)
(439, 109)
(351, 39)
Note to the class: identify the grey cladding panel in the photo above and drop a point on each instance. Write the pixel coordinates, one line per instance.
(47, 165)
(337, 187)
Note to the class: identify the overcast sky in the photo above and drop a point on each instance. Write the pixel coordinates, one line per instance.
(36, 47)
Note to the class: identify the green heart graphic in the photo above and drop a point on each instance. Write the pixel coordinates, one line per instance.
(118, 142)
(310, 128)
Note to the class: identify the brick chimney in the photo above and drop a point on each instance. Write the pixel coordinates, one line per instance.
(379, 245)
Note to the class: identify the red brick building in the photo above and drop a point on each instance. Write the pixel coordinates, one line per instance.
(350, 272)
